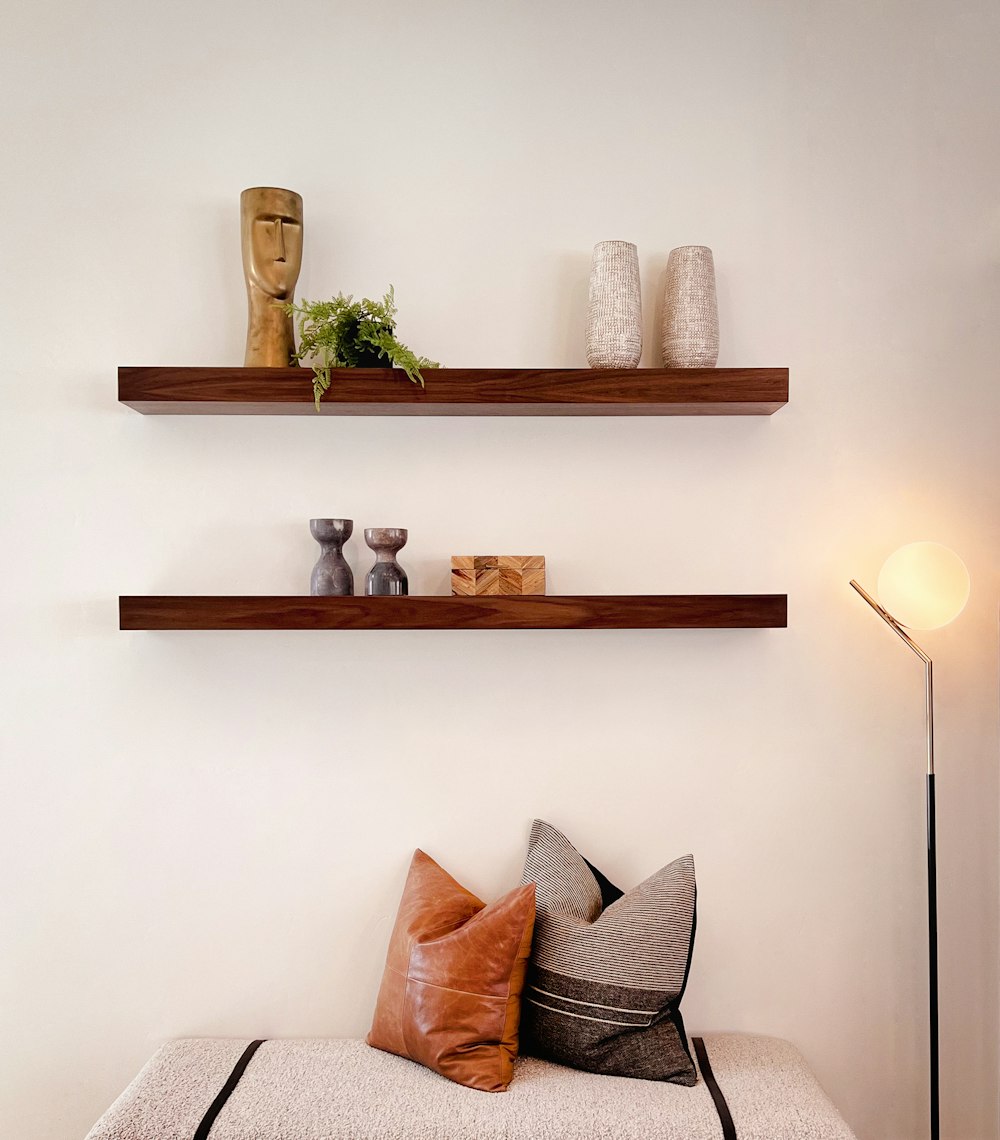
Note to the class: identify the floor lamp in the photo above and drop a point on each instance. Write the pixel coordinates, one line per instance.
(925, 585)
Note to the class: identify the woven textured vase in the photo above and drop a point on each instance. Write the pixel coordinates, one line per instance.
(690, 333)
(614, 313)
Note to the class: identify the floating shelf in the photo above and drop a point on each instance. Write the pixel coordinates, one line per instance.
(457, 392)
(653, 611)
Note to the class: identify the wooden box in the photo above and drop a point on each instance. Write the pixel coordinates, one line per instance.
(474, 575)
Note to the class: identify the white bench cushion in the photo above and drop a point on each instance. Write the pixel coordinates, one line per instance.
(345, 1090)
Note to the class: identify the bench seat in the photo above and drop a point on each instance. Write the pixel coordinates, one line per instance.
(345, 1090)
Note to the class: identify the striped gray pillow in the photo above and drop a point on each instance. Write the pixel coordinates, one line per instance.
(608, 969)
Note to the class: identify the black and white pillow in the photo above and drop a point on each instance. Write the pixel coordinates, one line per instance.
(608, 969)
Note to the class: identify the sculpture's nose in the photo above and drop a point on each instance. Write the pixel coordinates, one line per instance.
(279, 241)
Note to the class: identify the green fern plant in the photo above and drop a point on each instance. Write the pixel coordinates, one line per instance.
(344, 333)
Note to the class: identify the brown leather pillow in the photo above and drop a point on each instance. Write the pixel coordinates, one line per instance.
(451, 992)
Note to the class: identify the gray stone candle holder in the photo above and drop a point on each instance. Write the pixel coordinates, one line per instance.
(331, 576)
(386, 577)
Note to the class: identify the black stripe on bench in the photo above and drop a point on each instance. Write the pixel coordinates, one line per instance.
(224, 1093)
(725, 1119)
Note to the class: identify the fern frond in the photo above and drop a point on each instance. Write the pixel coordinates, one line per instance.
(336, 334)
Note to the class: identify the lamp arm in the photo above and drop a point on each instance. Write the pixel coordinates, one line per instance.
(932, 939)
(894, 625)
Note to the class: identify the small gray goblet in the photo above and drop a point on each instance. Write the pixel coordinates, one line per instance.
(386, 577)
(331, 575)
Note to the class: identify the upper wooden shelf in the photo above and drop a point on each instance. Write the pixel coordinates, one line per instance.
(457, 392)
(602, 611)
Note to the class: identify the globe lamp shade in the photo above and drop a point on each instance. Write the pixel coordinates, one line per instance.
(924, 585)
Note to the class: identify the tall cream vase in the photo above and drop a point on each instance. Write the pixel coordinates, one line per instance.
(690, 331)
(614, 311)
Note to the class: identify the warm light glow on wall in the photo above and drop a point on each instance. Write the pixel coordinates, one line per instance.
(924, 585)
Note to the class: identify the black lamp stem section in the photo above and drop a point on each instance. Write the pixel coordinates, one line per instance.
(932, 937)
(932, 952)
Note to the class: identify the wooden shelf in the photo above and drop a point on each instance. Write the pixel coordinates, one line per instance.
(458, 392)
(654, 611)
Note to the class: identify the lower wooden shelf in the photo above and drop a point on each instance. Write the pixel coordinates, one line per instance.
(600, 611)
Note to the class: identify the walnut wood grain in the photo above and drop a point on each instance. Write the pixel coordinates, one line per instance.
(458, 392)
(665, 611)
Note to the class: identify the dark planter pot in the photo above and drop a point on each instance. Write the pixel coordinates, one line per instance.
(370, 358)
(361, 355)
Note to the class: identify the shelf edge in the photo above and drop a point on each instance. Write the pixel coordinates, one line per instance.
(600, 611)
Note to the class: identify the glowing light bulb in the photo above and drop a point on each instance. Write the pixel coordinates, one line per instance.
(924, 585)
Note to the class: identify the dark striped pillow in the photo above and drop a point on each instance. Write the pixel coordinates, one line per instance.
(608, 969)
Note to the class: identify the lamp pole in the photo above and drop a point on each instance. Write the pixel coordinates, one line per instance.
(932, 939)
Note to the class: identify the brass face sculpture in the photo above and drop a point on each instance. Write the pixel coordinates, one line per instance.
(271, 235)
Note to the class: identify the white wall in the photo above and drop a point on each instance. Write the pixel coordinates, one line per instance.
(206, 833)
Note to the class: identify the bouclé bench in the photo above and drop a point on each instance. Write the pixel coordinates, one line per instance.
(345, 1090)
